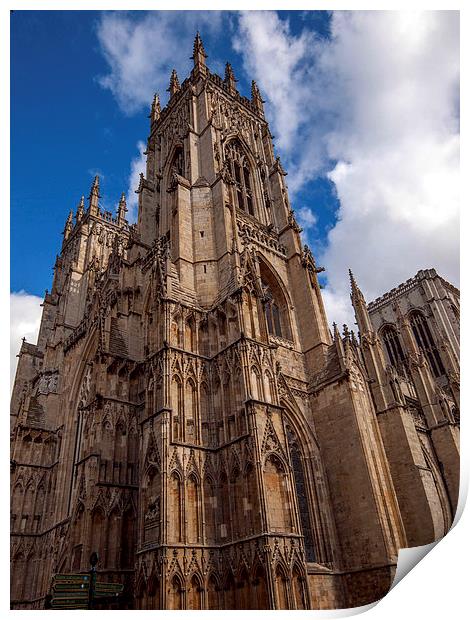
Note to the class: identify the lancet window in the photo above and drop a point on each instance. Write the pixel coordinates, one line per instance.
(301, 489)
(393, 347)
(425, 342)
(275, 306)
(177, 164)
(242, 177)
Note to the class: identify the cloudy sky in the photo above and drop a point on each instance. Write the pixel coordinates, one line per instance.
(364, 107)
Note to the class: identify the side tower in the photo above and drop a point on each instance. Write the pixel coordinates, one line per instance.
(52, 394)
(410, 343)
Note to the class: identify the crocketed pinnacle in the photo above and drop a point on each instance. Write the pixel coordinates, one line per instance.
(355, 290)
(199, 53)
(336, 335)
(230, 76)
(122, 209)
(95, 186)
(94, 196)
(360, 307)
(174, 83)
(256, 99)
(80, 209)
(156, 109)
(68, 225)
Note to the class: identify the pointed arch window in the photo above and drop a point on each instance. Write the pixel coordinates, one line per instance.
(275, 305)
(425, 342)
(242, 177)
(301, 490)
(177, 164)
(393, 347)
(273, 315)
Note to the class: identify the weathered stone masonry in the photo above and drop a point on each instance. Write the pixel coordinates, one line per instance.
(186, 411)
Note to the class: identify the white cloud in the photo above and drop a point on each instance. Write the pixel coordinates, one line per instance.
(307, 217)
(25, 318)
(380, 98)
(137, 166)
(141, 52)
(283, 66)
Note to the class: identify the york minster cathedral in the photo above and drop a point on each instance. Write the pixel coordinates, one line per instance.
(189, 414)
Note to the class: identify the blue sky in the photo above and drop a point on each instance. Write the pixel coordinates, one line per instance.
(66, 127)
(364, 107)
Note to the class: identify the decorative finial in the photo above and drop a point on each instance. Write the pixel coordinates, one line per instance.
(80, 209)
(336, 335)
(122, 210)
(346, 331)
(94, 196)
(256, 98)
(199, 54)
(356, 293)
(230, 77)
(68, 225)
(360, 307)
(156, 109)
(174, 84)
(352, 281)
(95, 186)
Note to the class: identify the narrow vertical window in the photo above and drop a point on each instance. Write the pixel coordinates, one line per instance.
(425, 342)
(302, 497)
(393, 347)
(241, 174)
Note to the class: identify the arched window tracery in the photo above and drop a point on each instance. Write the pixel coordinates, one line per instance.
(425, 342)
(242, 177)
(301, 488)
(393, 347)
(275, 305)
(177, 163)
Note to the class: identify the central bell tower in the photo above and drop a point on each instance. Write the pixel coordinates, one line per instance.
(215, 195)
(234, 499)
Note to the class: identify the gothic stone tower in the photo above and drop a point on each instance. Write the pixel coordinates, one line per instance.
(410, 342)
(186, 412)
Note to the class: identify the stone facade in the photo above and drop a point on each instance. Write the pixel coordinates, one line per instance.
(186, 411)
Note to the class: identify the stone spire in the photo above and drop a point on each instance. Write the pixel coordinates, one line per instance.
(80, 209)
(360, 308)
(156, 110)
(122, 210)
(230, 77)
(94, 196)
(256, 98)
(174, 84)
(199, 54)
(338, 342)
(68, 226)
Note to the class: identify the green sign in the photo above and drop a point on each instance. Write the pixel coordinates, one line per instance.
(71, 578)
(108, 589)
(72, 600)
(73, 591)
